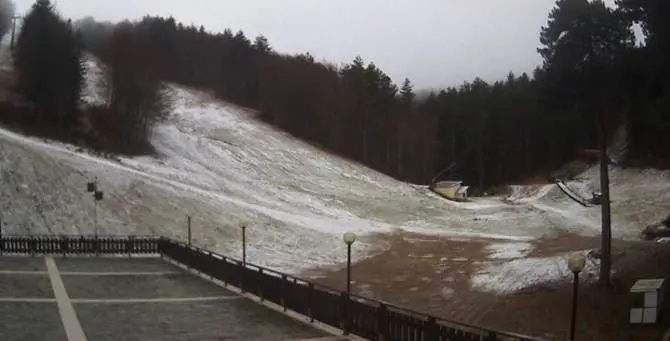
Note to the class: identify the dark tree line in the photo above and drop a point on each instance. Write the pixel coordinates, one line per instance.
(49, 66)
(48, 62)
(486, 134)
(134, 89)
(593, 76)
(355, 111)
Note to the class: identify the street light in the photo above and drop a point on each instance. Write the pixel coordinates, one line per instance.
(349, 238)
(243, 226)
(92, 187)
(576, 263)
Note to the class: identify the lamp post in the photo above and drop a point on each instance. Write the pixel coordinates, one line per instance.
(576, 263)
(188, 223)
(243, 226)
(92, 187)
(349, 238)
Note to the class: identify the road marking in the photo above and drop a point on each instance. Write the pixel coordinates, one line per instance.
(26, 300)
(21, 272)
(325, 338)
(128, 273)
(68, 316)
(156, 300)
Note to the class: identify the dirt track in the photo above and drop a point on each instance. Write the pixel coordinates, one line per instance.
(432, 275)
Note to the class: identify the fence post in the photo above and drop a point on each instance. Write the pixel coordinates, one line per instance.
(431, 329)
(2, 240)
(33, 246)
(96, 246)
(382, 322)
(189, 230)
(129, 246)
(260, 288)
(310, 299)
(345, 313)
(161, 254)
(243, 273)
(492, 336)
(212, 265)
(283, 290)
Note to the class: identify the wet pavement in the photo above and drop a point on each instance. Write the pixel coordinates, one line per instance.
(129, 299)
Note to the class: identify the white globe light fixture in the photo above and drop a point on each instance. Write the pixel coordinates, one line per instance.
(349, 238)
(576, 264)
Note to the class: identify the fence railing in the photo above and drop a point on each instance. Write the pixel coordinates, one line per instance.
(78, 245)
(367, 318)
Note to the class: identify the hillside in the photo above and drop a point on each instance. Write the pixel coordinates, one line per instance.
(219, 164)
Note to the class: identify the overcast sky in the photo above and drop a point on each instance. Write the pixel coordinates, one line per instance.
(435, 43)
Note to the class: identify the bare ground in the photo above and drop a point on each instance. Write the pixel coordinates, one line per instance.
(432, 275)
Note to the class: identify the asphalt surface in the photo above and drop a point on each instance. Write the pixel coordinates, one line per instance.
(132, 299)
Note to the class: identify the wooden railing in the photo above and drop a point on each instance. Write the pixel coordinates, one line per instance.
(78, 245)
(367, 318)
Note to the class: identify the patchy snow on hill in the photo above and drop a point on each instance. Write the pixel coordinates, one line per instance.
(219, 164)
(519, 274)
(508, 250)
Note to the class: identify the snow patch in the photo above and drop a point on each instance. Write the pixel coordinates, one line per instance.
(519, 274)
(508, 250)
(447, 292)
(527, 194)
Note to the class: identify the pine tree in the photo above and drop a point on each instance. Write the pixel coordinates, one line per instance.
(262, 45)
(407, 92)
(48, 61)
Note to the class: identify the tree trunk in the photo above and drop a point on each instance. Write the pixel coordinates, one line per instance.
(481, 155)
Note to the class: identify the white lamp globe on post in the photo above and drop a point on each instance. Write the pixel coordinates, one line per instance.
(576, 264)
(349, 238)
(243, 226)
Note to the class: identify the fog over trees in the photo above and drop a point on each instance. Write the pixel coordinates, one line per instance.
(593, 75)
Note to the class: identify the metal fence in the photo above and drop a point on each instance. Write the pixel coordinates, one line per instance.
(367, 318)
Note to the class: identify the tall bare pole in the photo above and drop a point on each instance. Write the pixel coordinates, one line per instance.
(14, 18)
(606, 219)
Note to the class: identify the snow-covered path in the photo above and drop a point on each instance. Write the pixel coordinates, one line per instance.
(223, 167)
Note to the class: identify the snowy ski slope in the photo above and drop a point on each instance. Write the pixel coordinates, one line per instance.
(223, 167)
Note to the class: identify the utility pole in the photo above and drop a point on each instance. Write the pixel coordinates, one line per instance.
(606, 219)
(14, 18)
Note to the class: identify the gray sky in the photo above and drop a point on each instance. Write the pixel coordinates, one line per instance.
(434, 43)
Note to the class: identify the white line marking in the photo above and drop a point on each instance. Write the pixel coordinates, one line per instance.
(26, 300)
(21, 272)
(119, 273)
(325, 338)
(71, 324)
(155, 300)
